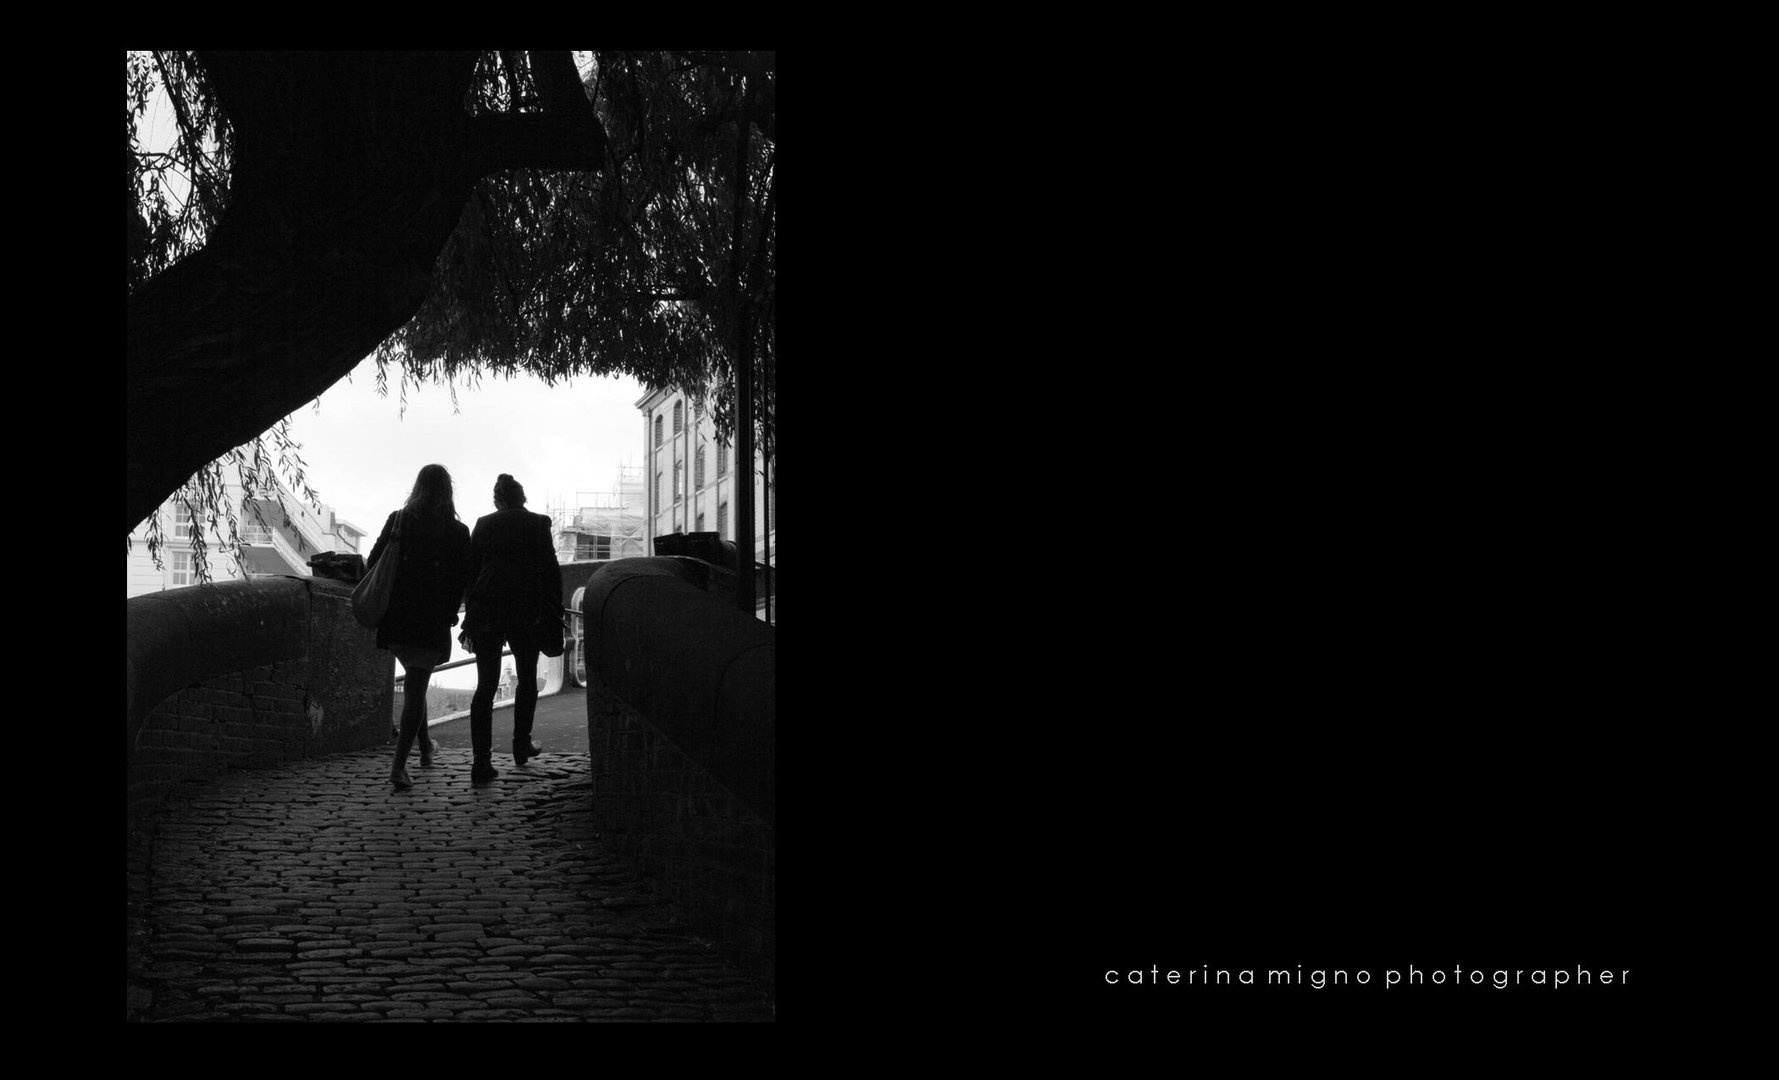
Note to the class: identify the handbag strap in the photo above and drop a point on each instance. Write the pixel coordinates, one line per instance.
(395, 540)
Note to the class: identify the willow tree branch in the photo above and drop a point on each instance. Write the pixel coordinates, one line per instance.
(566, 135)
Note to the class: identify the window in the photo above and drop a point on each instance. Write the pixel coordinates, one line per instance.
(722, 519)
(255, 533)
(679, 480)
(700, 526)
(592, 547)
(182, 524)
(657, 430)
(182, 569)
(655, 496)
(679, 416)
(722, 459)
(698, 470)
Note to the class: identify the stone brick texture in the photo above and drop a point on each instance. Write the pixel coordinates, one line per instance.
(680, 715)
(698, 847)
(246, 675)
(680, 724)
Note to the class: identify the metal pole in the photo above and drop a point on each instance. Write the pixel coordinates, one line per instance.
(744, 378)
(766, 477)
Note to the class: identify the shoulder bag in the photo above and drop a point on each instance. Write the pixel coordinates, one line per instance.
(370, 599)
(550, 631)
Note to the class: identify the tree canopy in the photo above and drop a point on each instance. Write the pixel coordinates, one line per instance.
(454, 214)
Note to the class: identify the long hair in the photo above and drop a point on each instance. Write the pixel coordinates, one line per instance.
(508, 492)
(431, 497)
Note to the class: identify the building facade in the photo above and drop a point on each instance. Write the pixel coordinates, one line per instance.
(692, 479)
(282, 543)
(604, 525)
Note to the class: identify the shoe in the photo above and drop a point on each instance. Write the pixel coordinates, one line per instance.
(482, 772)
(426, 760)
(400, 779)
(524, 750)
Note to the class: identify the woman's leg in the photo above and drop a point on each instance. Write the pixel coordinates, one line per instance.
(413, 714)
(525, 694)
(481, 706)
(423, 737)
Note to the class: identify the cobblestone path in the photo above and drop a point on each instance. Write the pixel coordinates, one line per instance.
(315, 891)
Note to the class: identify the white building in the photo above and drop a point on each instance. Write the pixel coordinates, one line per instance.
(692, 481)
(604, 525)
(283, 544)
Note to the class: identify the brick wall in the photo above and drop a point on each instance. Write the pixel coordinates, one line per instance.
(680, 707)
(247, 674)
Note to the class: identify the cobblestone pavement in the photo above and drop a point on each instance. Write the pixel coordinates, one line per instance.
(315, 891)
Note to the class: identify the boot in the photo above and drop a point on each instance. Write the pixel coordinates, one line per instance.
(481, 743)
(524, 748)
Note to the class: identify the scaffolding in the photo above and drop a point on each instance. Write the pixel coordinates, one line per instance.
(603, 524)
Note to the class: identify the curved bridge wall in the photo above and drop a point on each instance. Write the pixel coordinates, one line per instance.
(681, 701)
(244, 674)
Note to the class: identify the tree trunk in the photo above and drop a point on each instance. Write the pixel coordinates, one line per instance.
(350, 171)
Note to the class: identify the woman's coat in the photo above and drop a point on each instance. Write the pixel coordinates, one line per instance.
(514, 578)
(429, 583)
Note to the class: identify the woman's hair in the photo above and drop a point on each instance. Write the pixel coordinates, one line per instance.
(431, 496)
(508, 492)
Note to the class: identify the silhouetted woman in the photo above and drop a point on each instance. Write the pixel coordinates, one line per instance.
(429, 585)
(516, 583)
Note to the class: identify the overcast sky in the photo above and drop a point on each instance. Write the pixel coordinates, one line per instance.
(361, 452)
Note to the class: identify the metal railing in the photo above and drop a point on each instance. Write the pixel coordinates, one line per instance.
(552, 669)
(465, 662)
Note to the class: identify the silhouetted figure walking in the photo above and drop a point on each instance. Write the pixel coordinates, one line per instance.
(434, 550)
(516, 585)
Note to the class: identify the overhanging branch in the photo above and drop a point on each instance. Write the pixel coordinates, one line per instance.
(566, 135)
(533, 141)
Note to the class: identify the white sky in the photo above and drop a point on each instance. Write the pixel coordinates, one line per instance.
(361, 452)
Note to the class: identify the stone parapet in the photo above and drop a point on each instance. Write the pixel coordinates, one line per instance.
(245, 674)
(681, 701)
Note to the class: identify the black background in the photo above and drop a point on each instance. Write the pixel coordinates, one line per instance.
(1275, 561)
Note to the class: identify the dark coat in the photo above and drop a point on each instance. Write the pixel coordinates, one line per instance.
(434, 571)
(514, 578)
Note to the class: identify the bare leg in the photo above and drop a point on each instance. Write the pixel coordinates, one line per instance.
(413, 720)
